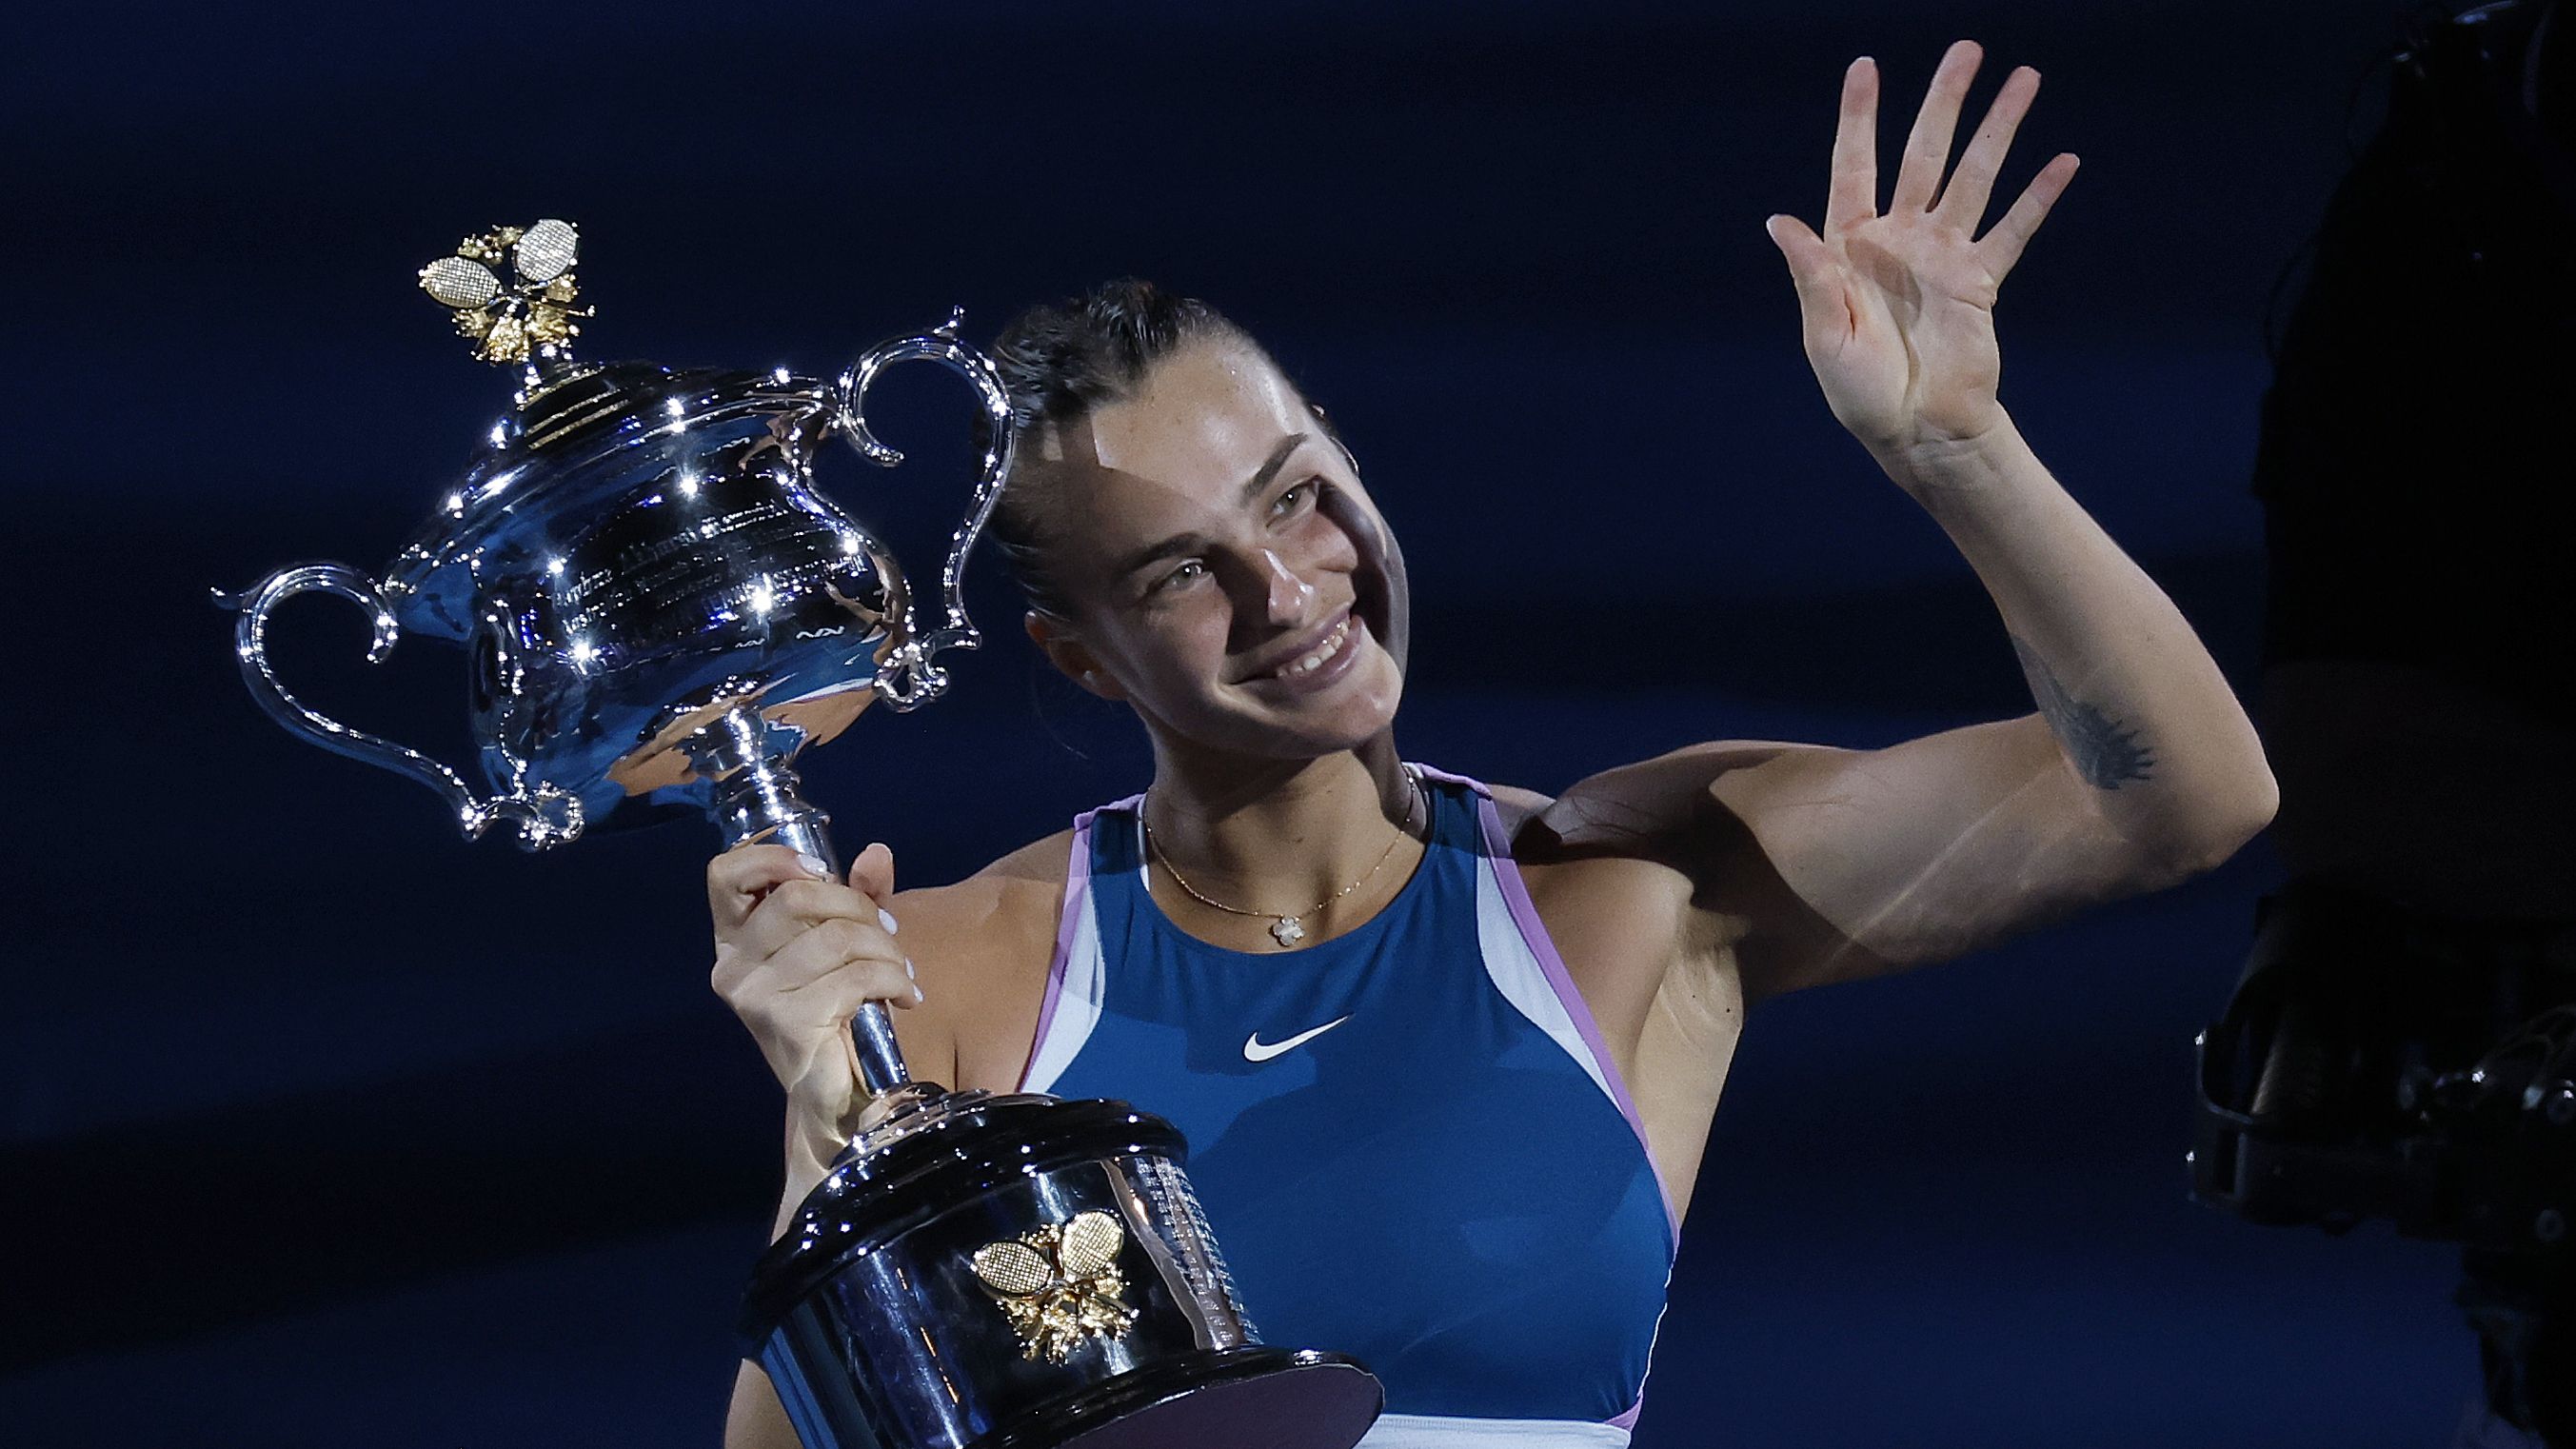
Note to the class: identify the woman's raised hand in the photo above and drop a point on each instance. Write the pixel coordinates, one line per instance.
(1899, 306)
(796, 956)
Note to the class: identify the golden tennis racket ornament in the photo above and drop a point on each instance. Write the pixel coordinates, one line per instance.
(1060, 1285)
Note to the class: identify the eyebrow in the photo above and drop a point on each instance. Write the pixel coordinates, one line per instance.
(1270, 467)
(1185, 543)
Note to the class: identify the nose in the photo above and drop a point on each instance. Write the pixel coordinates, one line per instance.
(1290, 596)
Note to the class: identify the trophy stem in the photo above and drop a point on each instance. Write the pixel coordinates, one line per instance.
(756, 798)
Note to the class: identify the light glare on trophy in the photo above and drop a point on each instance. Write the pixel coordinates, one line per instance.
(660, 609)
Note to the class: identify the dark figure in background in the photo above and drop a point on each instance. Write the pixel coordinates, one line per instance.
(2403, 1041)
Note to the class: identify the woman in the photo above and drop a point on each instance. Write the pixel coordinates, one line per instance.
(1382, 1000)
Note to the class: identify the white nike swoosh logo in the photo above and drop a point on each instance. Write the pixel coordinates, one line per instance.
(1254, 1051)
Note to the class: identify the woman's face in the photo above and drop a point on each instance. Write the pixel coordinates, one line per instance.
(1212, 589)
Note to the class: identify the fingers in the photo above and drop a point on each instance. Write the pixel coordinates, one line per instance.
(798, 955)
(1853, 196)
(2001, 247)
(799, 1002)
(1927, 149)
(1822, 305)
(1963, 201)
(814, 984)
(738, 880)
(801, 905)
(846, 962)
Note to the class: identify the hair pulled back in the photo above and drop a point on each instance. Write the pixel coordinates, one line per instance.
(1063, 361)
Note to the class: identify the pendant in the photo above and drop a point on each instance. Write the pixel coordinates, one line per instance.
(1287, 932)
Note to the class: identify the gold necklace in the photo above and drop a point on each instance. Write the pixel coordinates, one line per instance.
(1287, 930)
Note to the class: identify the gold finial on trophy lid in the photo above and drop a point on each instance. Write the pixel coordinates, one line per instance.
(534, 312)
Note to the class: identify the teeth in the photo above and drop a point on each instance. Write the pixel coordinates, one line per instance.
(1331, 646)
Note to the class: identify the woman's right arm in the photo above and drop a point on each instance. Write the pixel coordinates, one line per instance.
(796, 956)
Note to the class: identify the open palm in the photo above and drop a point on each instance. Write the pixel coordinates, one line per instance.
(1898, 307)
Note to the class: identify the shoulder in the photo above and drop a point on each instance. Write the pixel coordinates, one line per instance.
(1517, 807)
(1673, 807)
(982, 947)
(1514, 806)
(1008, 899)
(1040, 862)
(1676, 793)
(1683, 829)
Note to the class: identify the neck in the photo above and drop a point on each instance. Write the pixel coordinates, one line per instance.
(1279, 835)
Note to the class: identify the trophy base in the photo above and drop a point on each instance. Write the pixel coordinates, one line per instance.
(1243, 1398)
(1024, 1272)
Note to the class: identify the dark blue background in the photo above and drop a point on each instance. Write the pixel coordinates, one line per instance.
(319, 1127)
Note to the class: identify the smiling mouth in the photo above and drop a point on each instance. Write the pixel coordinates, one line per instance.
(1319, 656)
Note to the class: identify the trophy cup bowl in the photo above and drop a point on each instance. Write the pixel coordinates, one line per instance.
(660, 611)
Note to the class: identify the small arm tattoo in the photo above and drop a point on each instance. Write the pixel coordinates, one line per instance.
(2107, 753)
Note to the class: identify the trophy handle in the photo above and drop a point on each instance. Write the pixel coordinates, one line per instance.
(909, 677)
(547, 816)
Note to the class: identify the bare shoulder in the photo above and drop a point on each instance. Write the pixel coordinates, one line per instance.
(1040, 863)
(1587, 879)
(1722, 817)
(1666, 847)
(982, 947)
(1518, 807)
(1011, 902)
(1670, 809)
(1670, 794)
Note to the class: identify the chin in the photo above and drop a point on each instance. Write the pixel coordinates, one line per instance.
(1365, 710)
(1359, 709)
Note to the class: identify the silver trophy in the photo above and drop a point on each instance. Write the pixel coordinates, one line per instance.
(661, 610)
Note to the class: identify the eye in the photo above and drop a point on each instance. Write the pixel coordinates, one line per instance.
(1189, 571)
(1295, 498)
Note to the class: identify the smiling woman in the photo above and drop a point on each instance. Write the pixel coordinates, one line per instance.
(1194, 541)
(1446, 1053)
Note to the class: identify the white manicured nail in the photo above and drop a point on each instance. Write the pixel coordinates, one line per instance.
(816, 865)
(885, 918)
(908, 971)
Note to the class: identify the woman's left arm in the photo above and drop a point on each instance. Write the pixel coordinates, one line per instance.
(2139, 767)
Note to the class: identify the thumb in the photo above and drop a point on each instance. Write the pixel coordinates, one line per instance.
(1811, 267)
(872, 874)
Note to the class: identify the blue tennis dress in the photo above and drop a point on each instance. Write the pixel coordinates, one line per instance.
(1413, 1144)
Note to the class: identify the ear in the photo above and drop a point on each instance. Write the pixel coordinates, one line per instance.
(1066, 651)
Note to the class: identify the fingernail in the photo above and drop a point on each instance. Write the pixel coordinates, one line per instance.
(885, 918)
(916, 996)
(815, 864)
(908, 971)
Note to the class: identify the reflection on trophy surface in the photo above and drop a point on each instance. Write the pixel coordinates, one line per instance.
(661, 611)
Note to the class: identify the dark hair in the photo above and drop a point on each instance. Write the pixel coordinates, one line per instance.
(1063, 361)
